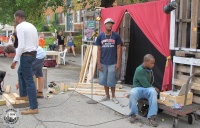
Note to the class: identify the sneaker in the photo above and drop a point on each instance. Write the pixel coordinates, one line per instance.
(39, 95)
(104, 98)
(22, 98)
(152, 121)
(132, 118)
(30, 111)
(115, 100)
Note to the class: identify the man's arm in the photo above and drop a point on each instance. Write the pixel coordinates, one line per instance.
(21, 44)
(119, 56)
(99, 58)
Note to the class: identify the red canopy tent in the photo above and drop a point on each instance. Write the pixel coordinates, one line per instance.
(153, 22)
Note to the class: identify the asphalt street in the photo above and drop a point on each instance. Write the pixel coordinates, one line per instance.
(70, 110)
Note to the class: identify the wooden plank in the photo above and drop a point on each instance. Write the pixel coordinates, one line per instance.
(7, 89)
(179, 82)
(187, 61)
(94, 84)
(94, 93)
(182, 54)
(84, 63)
(196, 99)
(126, 26)
(182, 77)
(2, 102)
(87, 64)
(182, 68)
(184, 24)
(194, 25)
(93, 64)
(180, 24)
(15, 94)
(8, 99)
(95, 90)
(11, 101)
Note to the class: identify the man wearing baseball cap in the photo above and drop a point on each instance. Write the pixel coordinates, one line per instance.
(109, 59)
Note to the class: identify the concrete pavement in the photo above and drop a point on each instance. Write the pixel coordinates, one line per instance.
(70, 110)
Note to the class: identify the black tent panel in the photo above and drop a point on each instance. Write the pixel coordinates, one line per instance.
(138, 47)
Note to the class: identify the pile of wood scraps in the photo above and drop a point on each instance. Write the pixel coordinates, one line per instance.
(9, 99)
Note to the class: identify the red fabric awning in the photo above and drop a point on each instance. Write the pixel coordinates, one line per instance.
(153, 22)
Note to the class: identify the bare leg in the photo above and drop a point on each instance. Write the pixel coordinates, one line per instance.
(40, 84)
(73, 50)
(68, 50)
(113, 91)
(107, 91)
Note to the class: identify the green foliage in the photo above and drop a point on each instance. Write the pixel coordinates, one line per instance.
(34, 9)
(78, 43)
(49, 41)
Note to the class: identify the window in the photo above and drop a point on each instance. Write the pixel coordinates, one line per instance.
(77, 16)
(59, 18)
(82, 15)
(47, 19)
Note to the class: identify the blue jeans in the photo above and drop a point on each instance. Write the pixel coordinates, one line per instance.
(52, 46)
(26, 83)
(150, 94)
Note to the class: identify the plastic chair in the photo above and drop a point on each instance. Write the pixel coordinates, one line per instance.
(62, 56)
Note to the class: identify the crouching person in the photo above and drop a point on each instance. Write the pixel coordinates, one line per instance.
(142, 88)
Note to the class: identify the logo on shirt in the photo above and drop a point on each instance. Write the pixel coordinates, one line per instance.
(108, 43)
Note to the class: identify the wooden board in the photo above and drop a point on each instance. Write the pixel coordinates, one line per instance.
(84, 64)
(194, 25)
(178, 82)
(95, 90)
(94, 93)
(93, 64)
(11, 100)
(89, 84)
(87, 65)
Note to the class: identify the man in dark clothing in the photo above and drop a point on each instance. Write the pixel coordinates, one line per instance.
(109, 59)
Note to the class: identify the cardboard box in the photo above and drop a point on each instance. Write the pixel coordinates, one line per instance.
(169, 100)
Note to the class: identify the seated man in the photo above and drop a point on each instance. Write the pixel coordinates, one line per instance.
(142, 88)
(53, 46)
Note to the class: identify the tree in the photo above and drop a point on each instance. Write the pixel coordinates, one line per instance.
(34, 9)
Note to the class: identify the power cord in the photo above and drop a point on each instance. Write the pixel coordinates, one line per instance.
(41, 121)
(124, 117)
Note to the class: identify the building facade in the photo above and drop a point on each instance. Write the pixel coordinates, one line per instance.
(73, 19)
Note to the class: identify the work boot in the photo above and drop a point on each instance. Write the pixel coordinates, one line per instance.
(30, 111)
(22, 98)
(40, 95)
(152, 121)
(132, 118)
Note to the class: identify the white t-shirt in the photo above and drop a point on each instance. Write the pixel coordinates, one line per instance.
(27, 39)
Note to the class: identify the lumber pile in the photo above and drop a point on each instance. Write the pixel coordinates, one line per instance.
(10, 99)
(89, 64)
